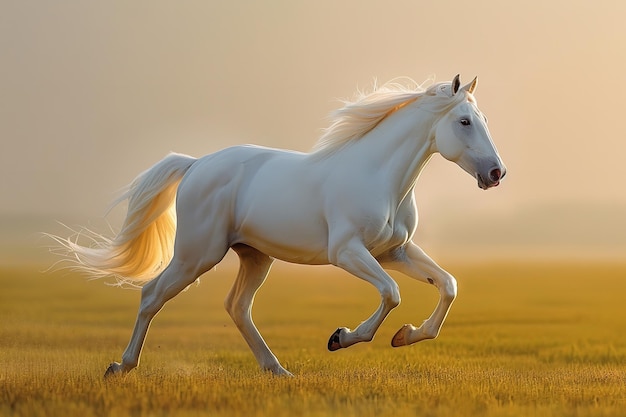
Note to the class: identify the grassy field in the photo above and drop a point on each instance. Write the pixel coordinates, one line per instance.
(521, 340)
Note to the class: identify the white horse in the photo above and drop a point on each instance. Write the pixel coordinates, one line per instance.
(348, 203)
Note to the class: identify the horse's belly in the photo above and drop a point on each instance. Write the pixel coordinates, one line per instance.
(290, 239)
(292, 254)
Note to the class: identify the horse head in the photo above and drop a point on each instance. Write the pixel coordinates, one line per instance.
(461, 135)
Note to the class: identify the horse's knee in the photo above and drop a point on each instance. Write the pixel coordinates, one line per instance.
(391, 296)
(448, 289)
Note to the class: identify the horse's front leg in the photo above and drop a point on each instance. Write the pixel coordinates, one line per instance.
(413, 262)
(356, 259)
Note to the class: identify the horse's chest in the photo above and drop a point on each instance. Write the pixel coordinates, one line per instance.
(394, 232)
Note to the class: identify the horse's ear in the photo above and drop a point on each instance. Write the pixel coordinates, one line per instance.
(471, 86)
(456, 83)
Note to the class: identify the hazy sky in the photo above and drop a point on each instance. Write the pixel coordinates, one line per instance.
(92, 93)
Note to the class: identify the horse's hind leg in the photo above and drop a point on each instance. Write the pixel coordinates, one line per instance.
(176, 277)
(253, 270)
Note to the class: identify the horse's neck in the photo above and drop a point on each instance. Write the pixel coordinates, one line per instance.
(396, 150)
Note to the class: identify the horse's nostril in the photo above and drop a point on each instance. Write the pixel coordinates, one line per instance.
(495, 174)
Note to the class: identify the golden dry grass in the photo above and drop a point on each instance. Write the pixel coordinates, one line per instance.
(536, 339)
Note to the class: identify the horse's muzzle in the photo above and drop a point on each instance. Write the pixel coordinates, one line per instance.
(492, 179)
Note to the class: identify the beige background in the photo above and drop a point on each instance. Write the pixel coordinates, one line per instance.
(92, 94)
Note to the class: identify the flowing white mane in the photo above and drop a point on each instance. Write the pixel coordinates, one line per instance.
(356, 118)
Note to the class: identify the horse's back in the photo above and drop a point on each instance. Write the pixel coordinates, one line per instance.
(265, 198)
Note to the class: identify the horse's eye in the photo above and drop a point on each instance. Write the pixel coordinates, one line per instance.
(465, 122)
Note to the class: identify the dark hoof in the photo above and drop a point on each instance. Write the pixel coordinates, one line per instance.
(112, 370)
(333, 342)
